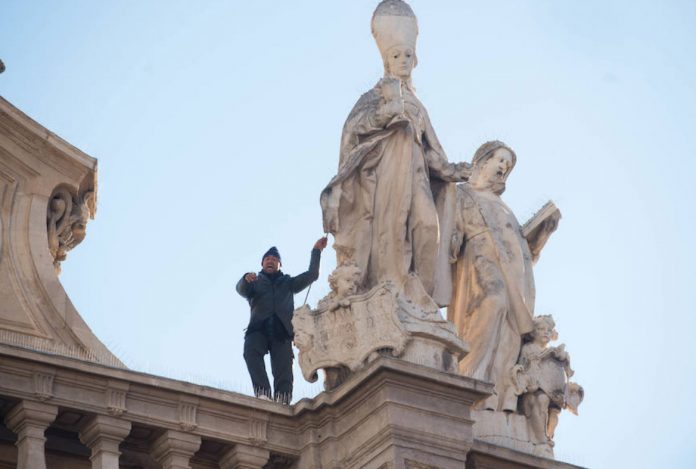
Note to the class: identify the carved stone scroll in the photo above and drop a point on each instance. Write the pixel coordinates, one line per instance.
(68, 214)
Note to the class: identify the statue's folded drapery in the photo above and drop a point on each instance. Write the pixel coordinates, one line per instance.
(493, 302)
(391, 206)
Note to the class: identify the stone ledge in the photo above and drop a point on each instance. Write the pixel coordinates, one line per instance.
(486, 455)
(405, 370)
(390, 411)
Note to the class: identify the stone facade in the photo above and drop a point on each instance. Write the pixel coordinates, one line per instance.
(393, 414)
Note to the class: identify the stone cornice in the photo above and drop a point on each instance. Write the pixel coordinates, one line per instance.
(485, 451)
(152, 401)
(35, 131)
(403, 370)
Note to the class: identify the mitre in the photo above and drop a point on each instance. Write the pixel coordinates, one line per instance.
(394, 24)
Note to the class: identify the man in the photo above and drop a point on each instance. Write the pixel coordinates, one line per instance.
(270, 295)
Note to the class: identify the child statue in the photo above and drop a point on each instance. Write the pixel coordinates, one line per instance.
(541, 377)
(344, 283)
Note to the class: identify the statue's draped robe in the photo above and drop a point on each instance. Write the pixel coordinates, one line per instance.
(493, 301)
(393, 198)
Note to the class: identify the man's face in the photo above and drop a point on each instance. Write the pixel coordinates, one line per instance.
(270, 264)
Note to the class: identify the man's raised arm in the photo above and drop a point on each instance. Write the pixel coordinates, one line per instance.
(303, 280)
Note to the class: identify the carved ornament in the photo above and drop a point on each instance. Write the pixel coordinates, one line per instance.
(67, 217)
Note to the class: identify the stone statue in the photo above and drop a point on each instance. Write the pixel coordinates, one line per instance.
(393, 200)
(493, 302)
(541, 377)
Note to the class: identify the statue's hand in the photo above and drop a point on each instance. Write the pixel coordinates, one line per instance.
(393, 100)
(462, 171)
(391, 89)
(393, 108)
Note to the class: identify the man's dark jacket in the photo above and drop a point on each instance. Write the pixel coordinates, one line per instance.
(273, 293)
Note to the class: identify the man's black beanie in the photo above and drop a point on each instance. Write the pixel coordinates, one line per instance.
(271, 252)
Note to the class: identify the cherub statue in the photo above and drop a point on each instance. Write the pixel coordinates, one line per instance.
(541, 377)
(344, 283)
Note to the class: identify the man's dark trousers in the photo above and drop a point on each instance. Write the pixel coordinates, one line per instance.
(270, 337)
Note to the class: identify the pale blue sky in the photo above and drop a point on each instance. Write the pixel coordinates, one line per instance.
(217, 124)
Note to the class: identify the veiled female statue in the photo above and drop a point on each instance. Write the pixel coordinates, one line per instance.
(391, 206)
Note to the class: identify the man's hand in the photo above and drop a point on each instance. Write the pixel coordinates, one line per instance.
(321, 243)
(250, 277)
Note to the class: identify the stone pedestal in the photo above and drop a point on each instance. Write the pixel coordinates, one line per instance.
(103, 435)
(345, 335)
(173, 450)
(392, 414)
(29, 420)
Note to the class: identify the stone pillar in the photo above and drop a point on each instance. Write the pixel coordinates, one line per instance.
(173, 450)
(244, 457)
(103, 435)
(29, 420)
